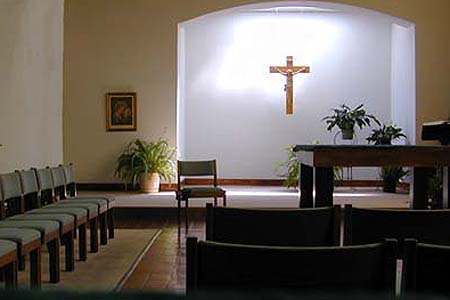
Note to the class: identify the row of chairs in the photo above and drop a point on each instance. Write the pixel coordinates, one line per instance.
(299, 249)
(40, 207)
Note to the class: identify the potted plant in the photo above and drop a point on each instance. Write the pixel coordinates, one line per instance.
(345, 118)
(391, 176)
(290, 169)
(146, 162)
(385, 135)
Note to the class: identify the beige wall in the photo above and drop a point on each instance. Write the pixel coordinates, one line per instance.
(119, 45)
(31, 71)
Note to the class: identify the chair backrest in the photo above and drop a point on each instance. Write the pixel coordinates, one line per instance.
(12, 193)
(44, 177)
(426, 268)
(274, 227)
(69, 179)
(30, 189)
(59, 182)
(364, 226)
(196, 169)
(220, 266)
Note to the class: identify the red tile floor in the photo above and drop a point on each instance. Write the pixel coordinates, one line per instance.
(163, 267)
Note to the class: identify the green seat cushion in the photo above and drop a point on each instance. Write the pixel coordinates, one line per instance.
(19, 235)
(43, 226)
(74, 211)
(63, 219)
(101, 204)
(7, 247)
(201, 192)
(92, 208)
(109, 199)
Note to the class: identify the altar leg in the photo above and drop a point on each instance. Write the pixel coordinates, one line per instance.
(446, 186)
(418, 188)
(324, 182)
(306, 186)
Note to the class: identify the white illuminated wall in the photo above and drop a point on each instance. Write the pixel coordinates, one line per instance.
(230, 106)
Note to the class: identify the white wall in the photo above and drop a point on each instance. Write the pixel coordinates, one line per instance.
(31, 49)
(235, 109)
(403, 92)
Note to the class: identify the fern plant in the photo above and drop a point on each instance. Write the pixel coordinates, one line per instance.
(142, 158)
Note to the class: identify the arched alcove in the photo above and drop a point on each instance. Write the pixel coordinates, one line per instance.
(231, 108)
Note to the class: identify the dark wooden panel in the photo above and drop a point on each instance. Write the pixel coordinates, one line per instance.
(323, 185)
(306, 183)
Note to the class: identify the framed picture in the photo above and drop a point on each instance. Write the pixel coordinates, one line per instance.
(121, 112)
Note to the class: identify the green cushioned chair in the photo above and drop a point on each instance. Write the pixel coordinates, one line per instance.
(28, 244)
(33, 205)
(49, 235)
(197, 169)
(8, 263)
(45, 182)
(59, 185)
(21, 187)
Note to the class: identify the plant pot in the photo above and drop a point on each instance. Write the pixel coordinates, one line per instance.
(149, 183)
(347, 134)
(389, 185)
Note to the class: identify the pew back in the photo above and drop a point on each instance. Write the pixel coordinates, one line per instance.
(363, 226)
(426, 267)
(220, 266)
(274, 227)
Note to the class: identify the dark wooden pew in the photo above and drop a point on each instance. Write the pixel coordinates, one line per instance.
(220, 266)
(274, 227)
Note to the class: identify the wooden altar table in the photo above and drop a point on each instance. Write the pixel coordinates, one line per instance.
(317, 162)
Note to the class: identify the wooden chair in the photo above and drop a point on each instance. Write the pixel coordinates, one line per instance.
(220, 266)
(45, 182)
(8, 263)
(197, 169)
(363, 226)
(72, 192)
(274, 227)
(426, 268)
(28, 243)
(50, 228)
(59, 186)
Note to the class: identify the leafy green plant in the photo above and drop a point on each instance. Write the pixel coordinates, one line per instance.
(391, 176)
(289, 169)
(385, 135)
(345, 118)
(142, 158)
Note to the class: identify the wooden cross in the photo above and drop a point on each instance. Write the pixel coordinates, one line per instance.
(289, 71)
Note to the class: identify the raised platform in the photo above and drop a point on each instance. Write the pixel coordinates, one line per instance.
(262, 197)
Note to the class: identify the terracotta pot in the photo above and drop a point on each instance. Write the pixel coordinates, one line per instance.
(347, 134)
(149, 183)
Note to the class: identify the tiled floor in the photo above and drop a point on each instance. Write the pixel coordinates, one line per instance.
(163, 266)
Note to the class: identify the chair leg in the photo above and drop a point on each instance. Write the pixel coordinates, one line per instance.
(93, 230)
(111, 223)
(224, 200)
(186, 208)
(53, 252)
(179, 213)
(82, 242)
(69, 248)
(10, 273)
(35, 269)
(215, 201)
(103, 229)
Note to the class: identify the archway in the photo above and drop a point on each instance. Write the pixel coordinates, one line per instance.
(231, 108)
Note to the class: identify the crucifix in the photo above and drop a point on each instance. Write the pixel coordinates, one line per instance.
(289, 71)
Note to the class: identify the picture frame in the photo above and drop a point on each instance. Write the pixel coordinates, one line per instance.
(121, 111)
